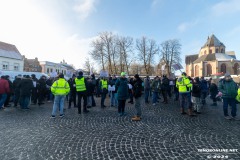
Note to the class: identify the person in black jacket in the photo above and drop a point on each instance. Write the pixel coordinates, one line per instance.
(42, 89)
(26, 86)
(196, 95)
(213, 93)
(165, 87)
(34, 90)
(16, 89)
(137, 93)
(72, 93)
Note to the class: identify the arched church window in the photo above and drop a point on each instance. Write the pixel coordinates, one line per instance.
(235, 68)
(209, 69)
(223, 68)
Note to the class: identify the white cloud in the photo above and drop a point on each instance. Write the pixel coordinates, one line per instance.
(85, 8)
(186, 25)
(226, 7)
(36, 34)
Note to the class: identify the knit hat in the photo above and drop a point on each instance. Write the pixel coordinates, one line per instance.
(136, 76)
(80, 73)
(227, 75)
(123, 74)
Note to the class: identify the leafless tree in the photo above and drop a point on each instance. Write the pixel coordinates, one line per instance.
(147, 48)
(98, 52)
(170, 53)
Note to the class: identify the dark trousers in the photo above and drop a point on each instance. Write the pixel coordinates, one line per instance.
(103, 97)
(80, 96)
(72, 98)
(164, 93)
(93, 101)
(185, 100)
(16, 97)
(7, 100)
(34, 95)
(24, 101)
(131, 96)
(41, 96)
(121, 106)
(232, 103)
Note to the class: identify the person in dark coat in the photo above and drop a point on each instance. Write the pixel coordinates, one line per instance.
(42, 89)
(26, 86)
(122, 91)
(94, 83)
(196, 95)
(213, 93)
(4, 90)
(90, 92)
(137, 93)
(34, 90)
(72, 93)
(165, 87)
(16, 89)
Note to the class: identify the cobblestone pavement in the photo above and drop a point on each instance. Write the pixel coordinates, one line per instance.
(163, 133)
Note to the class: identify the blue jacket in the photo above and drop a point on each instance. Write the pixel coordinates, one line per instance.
(122, 88)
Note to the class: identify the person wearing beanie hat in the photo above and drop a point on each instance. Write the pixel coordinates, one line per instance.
(122, 91)
(229, 91)
(137, 93)
(81, 87)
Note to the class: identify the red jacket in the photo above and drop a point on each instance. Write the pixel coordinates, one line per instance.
(4, 86)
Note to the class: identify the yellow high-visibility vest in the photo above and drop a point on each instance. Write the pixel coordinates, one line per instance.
(60, 87)
(80, 84)
(184, 85)
(104, 84)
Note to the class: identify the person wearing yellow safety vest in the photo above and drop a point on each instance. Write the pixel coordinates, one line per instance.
(184, 87)
(81, 88)
(60, 89)
(103, 85)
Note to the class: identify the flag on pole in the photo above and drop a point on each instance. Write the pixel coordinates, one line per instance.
(177, 66)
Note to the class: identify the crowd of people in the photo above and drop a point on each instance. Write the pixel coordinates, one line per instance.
(190, 92)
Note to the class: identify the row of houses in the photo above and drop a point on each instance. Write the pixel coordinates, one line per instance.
(12, 60)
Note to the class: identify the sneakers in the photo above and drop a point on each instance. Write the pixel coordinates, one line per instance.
(236, 118)
(53, 117)
(61, 115)
(154, 104)
(228, 117)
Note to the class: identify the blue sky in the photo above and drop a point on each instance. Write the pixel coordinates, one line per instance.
(63, 29)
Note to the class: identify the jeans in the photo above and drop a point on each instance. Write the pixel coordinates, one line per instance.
(203, 97)
(176, 95)
(185, 100)
(24, 101)
(138, 106)
(93, 101)
(146, 94)
(232, 103)
(58, 103)
(89, 101)
(3, 98)
(72, 98)
(103, 97)
(154, 97)
(112, 98)
(80, 96)
(197, 104)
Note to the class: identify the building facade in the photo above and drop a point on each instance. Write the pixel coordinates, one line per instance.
(10, 58)
(212, 59)
(32, 65)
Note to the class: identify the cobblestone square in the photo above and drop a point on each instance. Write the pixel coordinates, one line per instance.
(163, 133)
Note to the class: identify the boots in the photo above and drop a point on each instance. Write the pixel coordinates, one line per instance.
(182, 111)
(190, 112)
(136, 118)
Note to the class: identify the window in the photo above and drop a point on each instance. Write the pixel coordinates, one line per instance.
(196, 71)
(64, 72)
(217, 50)
(210, 51)
(51, 70)
(222, 50)
(47, 70)
(235, 68)
(209, 69)
(5, 65)
(16, 67)
(223, 68)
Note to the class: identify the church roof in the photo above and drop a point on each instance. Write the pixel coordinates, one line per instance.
(214, 57)
(9, 51)
(213, 41)
(191, 58)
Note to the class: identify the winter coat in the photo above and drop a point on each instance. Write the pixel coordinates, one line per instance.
(90, 87)
(122, 88)
(196, 89)
(213, 90)
(147, 84)
(165, 84)
(16, 83)
(204, 85)
(156, 86)
(4, 86)
(137, 88)
(26, 87)
(228, 88)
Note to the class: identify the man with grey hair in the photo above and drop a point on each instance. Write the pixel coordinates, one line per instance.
(229, 92)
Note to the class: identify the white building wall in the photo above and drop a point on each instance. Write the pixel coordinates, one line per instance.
(11, 64)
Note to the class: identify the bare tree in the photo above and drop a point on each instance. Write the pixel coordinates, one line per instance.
(170, 53)
(147, 49)
(98, 52)
(126, 44)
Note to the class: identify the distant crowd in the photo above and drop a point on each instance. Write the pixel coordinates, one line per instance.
(190, 92)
